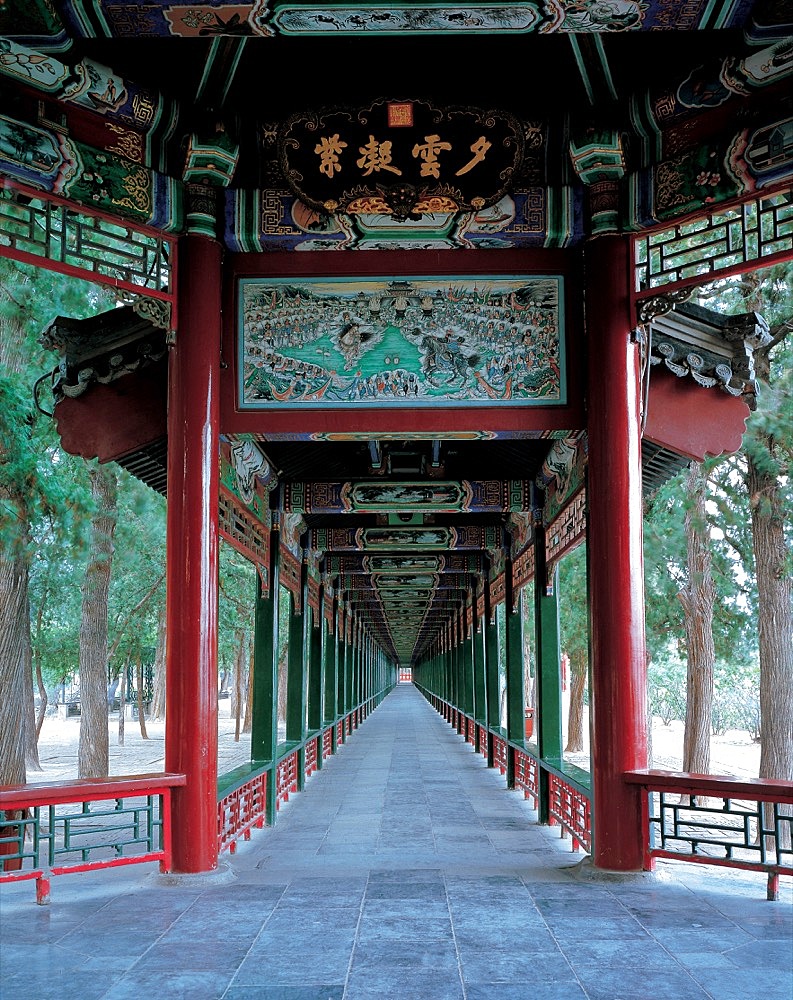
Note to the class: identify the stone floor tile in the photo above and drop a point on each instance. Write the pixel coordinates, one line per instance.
(404, 866)
(280, 992)
(525, 991)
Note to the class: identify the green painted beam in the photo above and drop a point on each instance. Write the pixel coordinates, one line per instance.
(264, 715)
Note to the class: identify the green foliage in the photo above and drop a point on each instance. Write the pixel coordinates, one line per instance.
(667, 688)
(769, 443)
(573, 609)
(769, 434)
(137, 589)
(736, 702)
(47, 493)
(30, 458)
(236, 605)
(734, 631)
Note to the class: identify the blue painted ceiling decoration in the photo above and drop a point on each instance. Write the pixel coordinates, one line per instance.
(263, 18)
(357, 126)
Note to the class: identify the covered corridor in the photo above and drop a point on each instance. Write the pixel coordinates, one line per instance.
(407, 870)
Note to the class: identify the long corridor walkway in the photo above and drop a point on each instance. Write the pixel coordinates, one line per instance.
(405, 871)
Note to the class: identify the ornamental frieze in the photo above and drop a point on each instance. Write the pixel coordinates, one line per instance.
(400, 542)
(523, 567)
(492, 496)
(566, 531)
(289, 576)
(245, 533)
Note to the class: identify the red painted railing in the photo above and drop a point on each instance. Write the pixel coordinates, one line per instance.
(707, 819)
(526, 776)
(245, 805)
(718, 820)
(571, 809)
(75, 826)
(569, 806)
(241, 809)
(286, 779)
(311, 757)
(500, 753)
(67, 826)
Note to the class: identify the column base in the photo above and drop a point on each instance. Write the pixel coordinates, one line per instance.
(585, 871)
(222, 875)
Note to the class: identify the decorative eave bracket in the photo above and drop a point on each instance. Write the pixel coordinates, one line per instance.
(713, 350)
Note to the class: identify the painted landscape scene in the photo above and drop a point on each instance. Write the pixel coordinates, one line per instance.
(398, 342)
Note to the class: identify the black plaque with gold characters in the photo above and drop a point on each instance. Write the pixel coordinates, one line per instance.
(401, 158)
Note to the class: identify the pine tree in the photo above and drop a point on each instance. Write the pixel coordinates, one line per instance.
(29, 300)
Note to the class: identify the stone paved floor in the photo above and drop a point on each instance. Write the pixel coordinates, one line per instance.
(405, 870)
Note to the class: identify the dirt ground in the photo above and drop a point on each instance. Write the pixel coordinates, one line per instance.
(733, 753)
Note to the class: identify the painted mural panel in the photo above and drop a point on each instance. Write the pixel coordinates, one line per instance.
(344, 343)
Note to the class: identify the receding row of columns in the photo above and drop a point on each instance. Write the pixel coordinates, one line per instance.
(464, 669)
(327, 676)
(616, 603)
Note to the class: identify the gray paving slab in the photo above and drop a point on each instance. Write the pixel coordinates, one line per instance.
(405, 870)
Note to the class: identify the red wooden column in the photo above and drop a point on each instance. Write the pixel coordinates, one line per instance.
(619, 741)
(192, 562)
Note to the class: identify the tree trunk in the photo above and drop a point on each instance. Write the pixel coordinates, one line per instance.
(772, 573)
(31, 731)
(141, 704)
(282, 677)
(93, 751)
(575, 711)
(157, 710)
(122, 704)
(36, 656)
(13, 605)
(238, 691)
(697, 599)
(775, 627)
(43, 698)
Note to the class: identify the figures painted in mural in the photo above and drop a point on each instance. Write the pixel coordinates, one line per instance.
(296, 19)
(392, 342)
(350, 339)
(443, 357)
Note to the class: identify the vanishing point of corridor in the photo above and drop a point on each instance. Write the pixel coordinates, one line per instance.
(405, 870)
